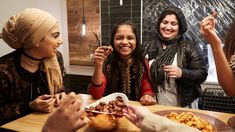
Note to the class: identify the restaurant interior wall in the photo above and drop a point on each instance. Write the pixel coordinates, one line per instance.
(56, 7)
(112, 12)
(81, 47)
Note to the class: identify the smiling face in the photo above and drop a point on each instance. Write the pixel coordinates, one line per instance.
(169, 26)
(49, 44)
(124, 41)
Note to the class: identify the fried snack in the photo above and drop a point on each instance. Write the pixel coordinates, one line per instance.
(109, 121)
(114, 106)
(188, 118)
(104, 122)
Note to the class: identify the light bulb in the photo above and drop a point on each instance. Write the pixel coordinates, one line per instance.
(121, 2)
(83, 29)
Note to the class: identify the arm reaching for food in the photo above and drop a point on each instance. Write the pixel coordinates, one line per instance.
(67, 117)
(224, 58)
(150, 122)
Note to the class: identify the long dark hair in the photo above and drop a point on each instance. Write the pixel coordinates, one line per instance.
(229, 44)
(137, 54)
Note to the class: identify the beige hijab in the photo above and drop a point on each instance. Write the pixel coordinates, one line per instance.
(25, 30)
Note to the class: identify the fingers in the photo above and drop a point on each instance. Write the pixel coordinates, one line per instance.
(70, 99)
(72, 106)
(130, 114)
(80, 123)
(103, 51)
(210, 17)
(135, 114)
(208, 23)
(49, 108)
(173, 71)
(46, 100)
(44, 97)
(214, 14)
(59, 97)
(63, 95)
(147, 100)
(76, 105)
(47, 105)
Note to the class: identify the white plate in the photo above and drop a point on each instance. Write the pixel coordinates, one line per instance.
(109, 98)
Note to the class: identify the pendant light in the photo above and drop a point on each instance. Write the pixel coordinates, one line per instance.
(85, 30)
(83, 20)
(121, 2)
(82, 26)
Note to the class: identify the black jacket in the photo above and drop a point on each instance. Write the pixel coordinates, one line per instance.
(190, 58)
(194, 64)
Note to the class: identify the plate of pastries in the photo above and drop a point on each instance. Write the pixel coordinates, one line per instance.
(104, 113)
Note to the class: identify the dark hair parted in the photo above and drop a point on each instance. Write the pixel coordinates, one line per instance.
(229, 43)
(137, 53)
(114, 58)
(179, 15)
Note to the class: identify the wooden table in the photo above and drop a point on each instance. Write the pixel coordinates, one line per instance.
(34, 122)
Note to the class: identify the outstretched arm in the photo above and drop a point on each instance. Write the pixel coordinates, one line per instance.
(224, 73)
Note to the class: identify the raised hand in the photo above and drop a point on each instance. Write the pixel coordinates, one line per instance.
(207, 29)
(101, 53)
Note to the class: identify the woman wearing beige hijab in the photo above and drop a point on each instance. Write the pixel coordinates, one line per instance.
(30, 76)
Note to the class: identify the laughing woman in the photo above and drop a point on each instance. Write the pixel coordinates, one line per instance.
(30, 76)
(122, 69)
(178, 65)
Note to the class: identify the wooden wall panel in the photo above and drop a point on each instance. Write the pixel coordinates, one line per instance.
(80, 48)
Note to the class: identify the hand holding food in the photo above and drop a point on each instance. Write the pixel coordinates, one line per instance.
(207, 29)
(101, 53)
(135, 114)
(43, 103)
(172, 71)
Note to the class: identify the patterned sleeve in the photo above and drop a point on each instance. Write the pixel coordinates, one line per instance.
(9, 107)
(146, 87)
(232, 64)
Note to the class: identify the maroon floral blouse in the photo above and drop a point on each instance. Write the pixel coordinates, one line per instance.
(18, 87)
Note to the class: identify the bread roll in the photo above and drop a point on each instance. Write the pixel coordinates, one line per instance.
(104, 122)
